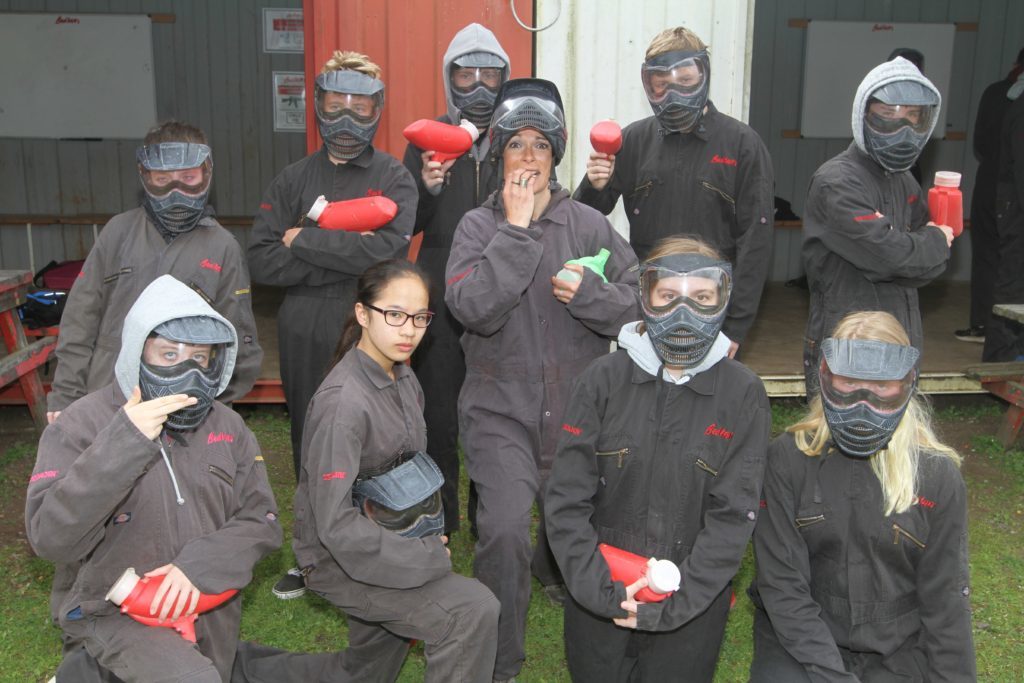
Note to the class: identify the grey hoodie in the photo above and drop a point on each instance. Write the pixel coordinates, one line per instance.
(166, 298)
(641, 351)
(473, 38)
(898, 69)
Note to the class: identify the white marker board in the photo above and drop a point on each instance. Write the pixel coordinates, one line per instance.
(838, 54)
(76, 76)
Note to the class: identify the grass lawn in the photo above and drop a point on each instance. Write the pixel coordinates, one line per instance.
(30, 646)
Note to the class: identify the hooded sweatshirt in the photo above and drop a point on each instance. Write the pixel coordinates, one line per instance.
(641, 351)
(885, 73)
(473, 38)
(103, 496)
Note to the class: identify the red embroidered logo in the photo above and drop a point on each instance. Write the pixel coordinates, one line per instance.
(374, 193)
(461, 275)
(48, 474)
(333, 475)
(219, 437)
(266, 207)
(575, 431)
(764, 504)
(714, 430)
(723, 160)
(924, 502)
(881, 27)
(866, 217)
(67, 20)
(210, 265)
(911, 199)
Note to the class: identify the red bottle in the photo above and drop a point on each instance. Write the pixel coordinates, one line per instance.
(445, 140)
(135, 595)
(945, 203)
(354, 215)
(662, 576)
(606, 137)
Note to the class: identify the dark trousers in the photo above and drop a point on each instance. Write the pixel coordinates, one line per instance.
(598, 650)
(984, 256)
(1004, 339)
(308, 330)
(441, 369)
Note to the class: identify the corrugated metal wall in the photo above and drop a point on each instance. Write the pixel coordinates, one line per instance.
(980, 57)
(211, 71)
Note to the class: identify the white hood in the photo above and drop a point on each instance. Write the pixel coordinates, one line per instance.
(641, 351)
(898, 69)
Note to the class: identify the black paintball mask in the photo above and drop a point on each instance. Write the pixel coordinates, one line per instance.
(475, 101)
(866, 386)
(348, 124)
(676, 84)
(528, 103)
(898, 121)
(175, 205)
(683, 298)
(403, 497)
(179, 371)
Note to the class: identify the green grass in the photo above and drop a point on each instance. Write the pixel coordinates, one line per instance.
(30, 647)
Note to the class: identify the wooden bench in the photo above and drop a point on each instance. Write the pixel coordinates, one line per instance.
(1005, 380)
(22, 361)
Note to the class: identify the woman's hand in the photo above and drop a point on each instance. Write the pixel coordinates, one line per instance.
(176, 591)
(630, 604)
(518, 197)
(565, 290)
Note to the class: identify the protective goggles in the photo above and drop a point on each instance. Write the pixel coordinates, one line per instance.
(172, 156)
(875, 373)
(179, 356)
(406, 498)
(466, 80)
(684, 72)
(362, 97)
(527, 111)
(887, 119)
(701, 283)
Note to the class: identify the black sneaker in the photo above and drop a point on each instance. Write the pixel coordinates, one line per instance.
(974, 334)
(291, 585)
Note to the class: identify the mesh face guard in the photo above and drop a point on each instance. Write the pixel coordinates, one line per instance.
(676, 84)
(187, 377)
(528, 103)
(350, 130)
(475, 101)
(684, 299)
(405, 499)
(866, 387)
(900, 125)
(175, 204)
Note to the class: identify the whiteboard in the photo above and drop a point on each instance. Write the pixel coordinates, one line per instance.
(838, 54)
(76, 76)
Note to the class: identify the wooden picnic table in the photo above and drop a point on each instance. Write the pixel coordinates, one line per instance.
(21, 364)
(1005, 380)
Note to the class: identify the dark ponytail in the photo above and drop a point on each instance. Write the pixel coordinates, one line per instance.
(373, 280)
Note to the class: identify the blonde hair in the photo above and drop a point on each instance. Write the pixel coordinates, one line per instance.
(678, 38)
(351, 61)
(682, 244)
(896, 464)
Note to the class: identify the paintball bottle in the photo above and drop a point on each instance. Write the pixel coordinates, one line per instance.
(662, 575)
(445, 140)
(354, 215)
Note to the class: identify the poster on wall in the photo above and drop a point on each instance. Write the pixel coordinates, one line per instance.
(289, 101)
(282, 30)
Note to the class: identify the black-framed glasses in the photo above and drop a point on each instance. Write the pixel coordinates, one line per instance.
(397, 318)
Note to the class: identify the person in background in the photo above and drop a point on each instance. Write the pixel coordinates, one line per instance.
(174, 233)
(368, 512)
(474, 67)
(867, 241)
(691, 169)
(318, 268)
(151, 472)
(661, 455)
(530, 330)
(861, 546)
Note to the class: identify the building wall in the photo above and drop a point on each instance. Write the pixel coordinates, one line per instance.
(210, 70)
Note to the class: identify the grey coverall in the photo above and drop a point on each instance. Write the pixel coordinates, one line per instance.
(392, 588)
(661, 470)
(865, 248)
(524, 349)
(320, 269)
(716, 182)
(845, 593)
(128, 255)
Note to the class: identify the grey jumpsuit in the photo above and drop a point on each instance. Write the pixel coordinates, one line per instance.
(524, 349)
(128, 255)
(320, 269)
(392, 588)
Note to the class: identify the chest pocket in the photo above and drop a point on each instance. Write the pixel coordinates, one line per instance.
(720, 198)
(615, 453)
(906, 532)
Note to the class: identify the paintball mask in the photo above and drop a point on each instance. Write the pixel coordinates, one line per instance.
(528, 103)
(406, 498)
(348, 110)
(676, 84)
(475, 78)
(683, 299)
(176, 178)
(898, 121)
(866, 387)
(199, 378)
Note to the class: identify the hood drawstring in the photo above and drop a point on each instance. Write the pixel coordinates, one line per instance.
(174, 480)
